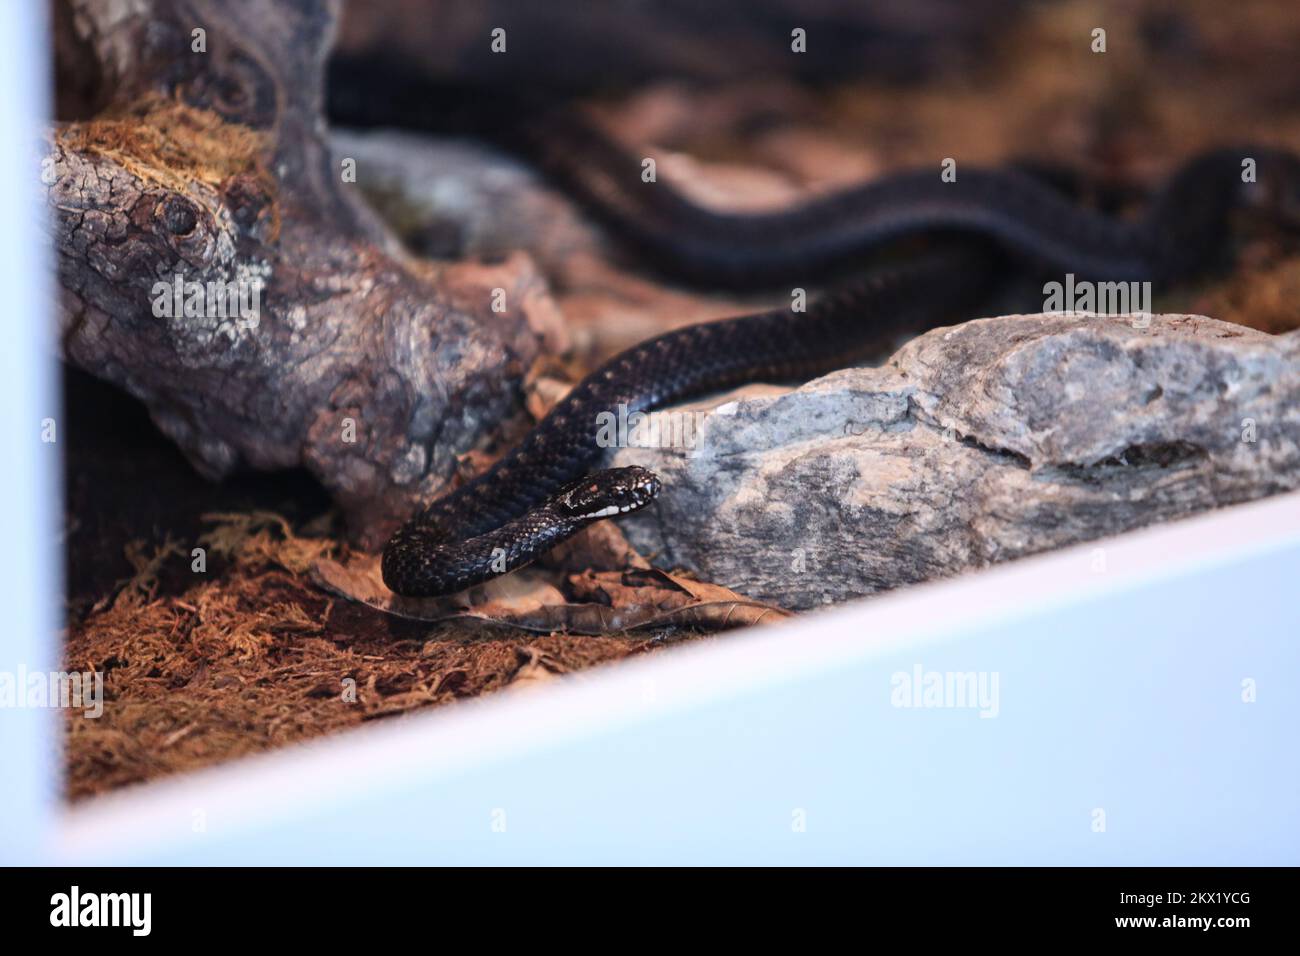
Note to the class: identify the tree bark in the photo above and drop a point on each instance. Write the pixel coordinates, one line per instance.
(206, 164)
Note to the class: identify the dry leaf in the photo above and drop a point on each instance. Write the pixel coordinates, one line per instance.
(535, 669)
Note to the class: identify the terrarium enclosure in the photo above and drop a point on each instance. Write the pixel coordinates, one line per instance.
(305, 283)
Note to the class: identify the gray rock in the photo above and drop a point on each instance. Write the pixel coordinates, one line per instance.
(974, 444)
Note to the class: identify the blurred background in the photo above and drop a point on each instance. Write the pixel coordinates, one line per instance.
(880, 86)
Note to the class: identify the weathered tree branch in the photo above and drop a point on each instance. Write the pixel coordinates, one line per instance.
(207, 165)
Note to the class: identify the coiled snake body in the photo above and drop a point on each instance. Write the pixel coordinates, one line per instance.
(970, 232)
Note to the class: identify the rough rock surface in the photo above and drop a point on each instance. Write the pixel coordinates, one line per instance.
(973, 444)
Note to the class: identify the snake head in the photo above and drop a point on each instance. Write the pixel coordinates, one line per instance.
(603, 494)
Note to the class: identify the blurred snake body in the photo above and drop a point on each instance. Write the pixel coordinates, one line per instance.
(968, 233)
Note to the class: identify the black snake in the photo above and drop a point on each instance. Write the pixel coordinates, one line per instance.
(928, 251)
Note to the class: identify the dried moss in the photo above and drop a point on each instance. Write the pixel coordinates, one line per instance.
(172, 144)
(258, 539)
(255, 658)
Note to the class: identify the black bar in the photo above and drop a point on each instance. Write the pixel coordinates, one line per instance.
(302, 905)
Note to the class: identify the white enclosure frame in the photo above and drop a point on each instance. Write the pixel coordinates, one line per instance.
(1124, 734)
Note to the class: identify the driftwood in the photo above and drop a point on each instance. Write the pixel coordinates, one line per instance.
(216, 262)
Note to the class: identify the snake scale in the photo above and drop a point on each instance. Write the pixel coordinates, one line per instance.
(925, 251)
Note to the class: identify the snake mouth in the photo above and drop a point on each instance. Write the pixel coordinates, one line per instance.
(643, 496)
(610, 511)
(604, 494)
